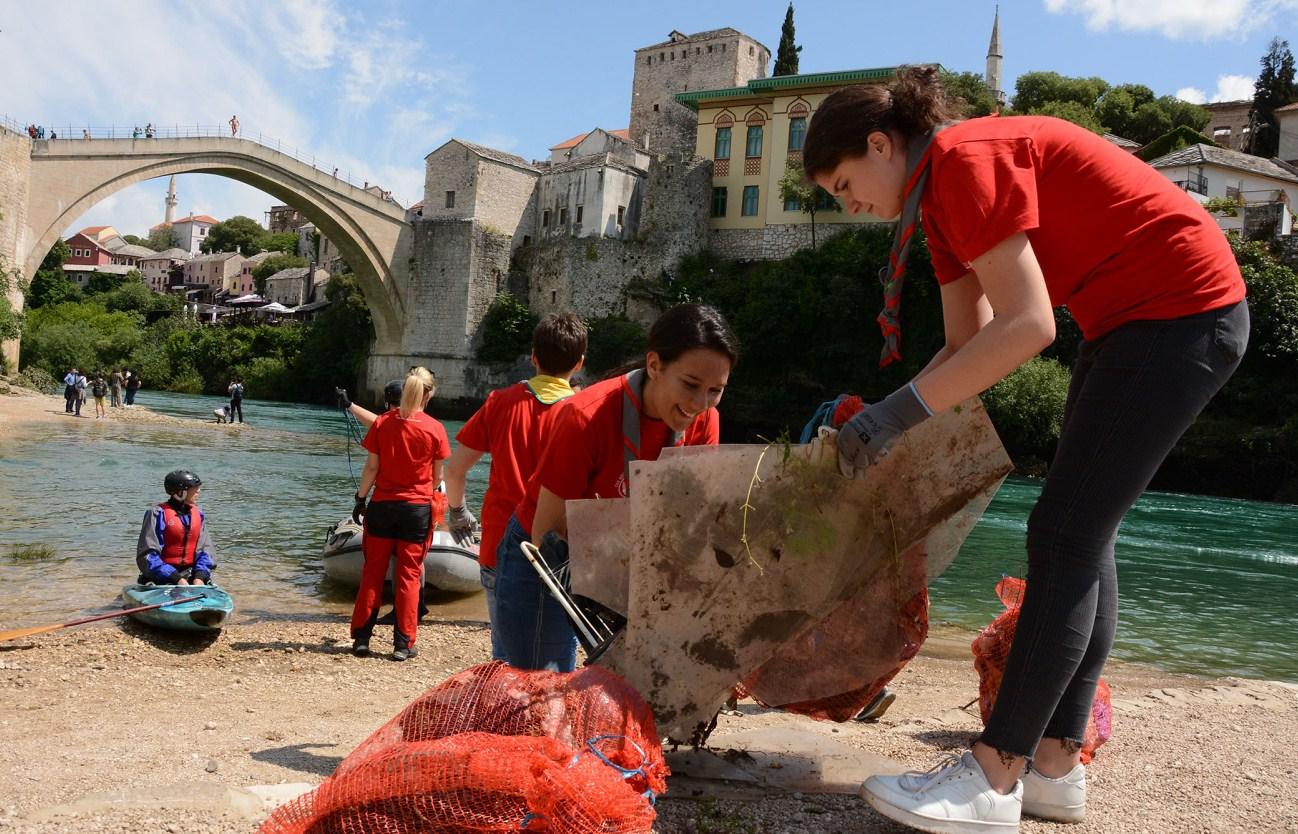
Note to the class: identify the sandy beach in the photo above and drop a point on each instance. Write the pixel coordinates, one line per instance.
(115, 728)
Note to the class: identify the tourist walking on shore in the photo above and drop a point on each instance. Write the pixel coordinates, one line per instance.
(510, 426)
(1024, 213)
(406, 449)
(133, 384)
(115, 387)
(69, 391)
(79, 386)
(669, 399)
(236, 399)
(99, 390)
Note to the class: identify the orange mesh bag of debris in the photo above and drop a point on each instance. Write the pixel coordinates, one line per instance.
(495, 748)
(991, 648)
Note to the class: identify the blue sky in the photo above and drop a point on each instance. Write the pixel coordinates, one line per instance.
(373, 87)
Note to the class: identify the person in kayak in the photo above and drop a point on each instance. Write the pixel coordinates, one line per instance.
(1023, 214)
(668, 398)
(174, 546)
(510, 426)
(406, 449)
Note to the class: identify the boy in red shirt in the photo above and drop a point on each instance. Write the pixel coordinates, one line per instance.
(1023, 214)
(509, 427)
(668, 400)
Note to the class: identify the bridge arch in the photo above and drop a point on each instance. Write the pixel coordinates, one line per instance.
(68, 177)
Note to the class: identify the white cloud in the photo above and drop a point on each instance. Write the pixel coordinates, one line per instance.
(1193, 95)
(1233, 88)
(1176, 19)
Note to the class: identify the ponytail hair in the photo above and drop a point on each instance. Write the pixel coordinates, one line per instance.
(911, 105)
(419, 381)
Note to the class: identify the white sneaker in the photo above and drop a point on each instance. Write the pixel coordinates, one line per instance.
(952, 798)
(1061, 800)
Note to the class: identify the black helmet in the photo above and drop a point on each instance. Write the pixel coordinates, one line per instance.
(179, 481)
(392, 393)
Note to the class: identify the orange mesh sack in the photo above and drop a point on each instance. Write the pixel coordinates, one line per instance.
(495, 748)
(991, 648)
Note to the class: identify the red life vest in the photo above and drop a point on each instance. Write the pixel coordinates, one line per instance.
(180, 541)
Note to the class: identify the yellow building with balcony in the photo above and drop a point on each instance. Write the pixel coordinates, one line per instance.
(751, 134)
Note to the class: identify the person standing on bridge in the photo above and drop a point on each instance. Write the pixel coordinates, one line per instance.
(234, 125)
(148, 131)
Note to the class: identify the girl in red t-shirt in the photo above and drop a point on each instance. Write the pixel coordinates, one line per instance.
(406, 449)
(1022, 214)
(669, 399)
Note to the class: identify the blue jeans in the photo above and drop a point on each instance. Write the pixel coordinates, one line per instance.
(534, 630)
(488, 576)
(1134, 392)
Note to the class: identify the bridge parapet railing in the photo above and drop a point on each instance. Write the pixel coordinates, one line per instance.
(84, 133)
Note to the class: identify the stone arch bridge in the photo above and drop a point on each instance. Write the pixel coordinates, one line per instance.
(45, 185)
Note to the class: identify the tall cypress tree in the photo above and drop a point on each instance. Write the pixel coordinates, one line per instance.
(1274, 88)
(786, 57)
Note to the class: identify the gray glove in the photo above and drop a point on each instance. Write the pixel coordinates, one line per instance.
(462, 524)
(867, 436)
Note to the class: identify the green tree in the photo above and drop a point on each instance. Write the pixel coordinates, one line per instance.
(1027, 407)
(285, 242)
(1034, 90)
(50, 285)
(100, 282)
(1273, 88)
(270, 266)
(1073, 112)
(135, 240)
(506, 330)
(334, 348)
(786, 55)
(811, 197)
(160, 239)
(613, 341)
(968, 92)
(239, 233)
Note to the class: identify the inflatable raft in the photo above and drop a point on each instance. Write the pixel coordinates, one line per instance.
(447, 566)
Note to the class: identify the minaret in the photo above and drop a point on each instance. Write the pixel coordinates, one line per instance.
(994, 59)
(171, 201)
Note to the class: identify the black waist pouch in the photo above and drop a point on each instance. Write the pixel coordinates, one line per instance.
(402, 520)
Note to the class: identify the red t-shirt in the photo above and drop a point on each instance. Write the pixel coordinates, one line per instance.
(406, 450)
(508, 426)
(583, 447)
(1116, 240)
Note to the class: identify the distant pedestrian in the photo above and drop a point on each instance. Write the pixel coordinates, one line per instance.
(148, 131)
(40, 132)
(85, 133)
(135, 134)
(80, 386)
(31, 131)
(53, 135)
(69, 390)
(99, 389)
(133, 384)
(236, 400)
(234, 125)
(115, 381)
(335, 173)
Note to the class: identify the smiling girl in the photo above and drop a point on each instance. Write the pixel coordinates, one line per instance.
(670, 400)
(1023, 214)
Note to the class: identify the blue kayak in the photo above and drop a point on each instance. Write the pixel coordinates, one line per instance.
(208, 613)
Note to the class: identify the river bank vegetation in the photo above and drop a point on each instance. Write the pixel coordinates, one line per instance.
(116, 321)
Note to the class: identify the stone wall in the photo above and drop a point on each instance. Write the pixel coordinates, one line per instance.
(707, 61)
(596, 188)
(772, 242)
(1287, 250)
(503, 196)
(15, 171)
(452, 167)
(1264, 221)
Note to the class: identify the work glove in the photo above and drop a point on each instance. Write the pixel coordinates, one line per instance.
(358, 509)
(343, 402)
(461, 522)
(867, 436)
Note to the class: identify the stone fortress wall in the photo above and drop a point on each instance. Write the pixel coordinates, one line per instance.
(15, 172)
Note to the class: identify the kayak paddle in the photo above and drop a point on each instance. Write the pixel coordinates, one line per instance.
(14, 634)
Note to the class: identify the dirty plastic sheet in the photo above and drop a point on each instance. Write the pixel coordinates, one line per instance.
(705, 609)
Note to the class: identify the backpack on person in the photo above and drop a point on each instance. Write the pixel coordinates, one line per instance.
(99, 388)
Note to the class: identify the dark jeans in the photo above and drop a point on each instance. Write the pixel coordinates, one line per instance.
(1134, 393)
(69, 397)
(236, 407)
(532, 627)
(130, 395)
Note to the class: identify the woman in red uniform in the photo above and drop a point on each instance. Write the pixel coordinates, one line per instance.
(670, 401)
(406, 449)
(1022, 214)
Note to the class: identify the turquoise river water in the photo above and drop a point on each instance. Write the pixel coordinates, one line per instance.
(1209, 586)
